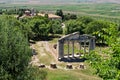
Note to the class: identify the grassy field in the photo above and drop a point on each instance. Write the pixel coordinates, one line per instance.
(71, 75)
(106, 9)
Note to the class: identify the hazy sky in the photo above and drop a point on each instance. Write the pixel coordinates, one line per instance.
(59, 1)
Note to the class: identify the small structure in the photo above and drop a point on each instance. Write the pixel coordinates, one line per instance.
(30, 12)
(82, 66)
(33, 12)
(53, 65)
(75, 37)
(41, 66)
(27, 13)
(69, 66)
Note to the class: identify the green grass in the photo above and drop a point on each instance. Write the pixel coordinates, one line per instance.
(78, 74)
(107, 9)
(60, 75)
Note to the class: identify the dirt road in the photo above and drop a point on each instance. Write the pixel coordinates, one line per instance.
(45, 53)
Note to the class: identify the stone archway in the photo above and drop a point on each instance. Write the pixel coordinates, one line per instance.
(72, 38)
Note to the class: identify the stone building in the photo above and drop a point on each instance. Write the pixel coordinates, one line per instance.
(75, 37)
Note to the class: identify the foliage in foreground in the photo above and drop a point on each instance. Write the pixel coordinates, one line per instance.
(15, 52)
(109, 68)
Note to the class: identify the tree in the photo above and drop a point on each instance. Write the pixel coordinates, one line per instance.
(85, 19)
(70, 16)
(108, 68)
(74, 26)
(14, 50)
(55, 27)
(37, 27)
(46, 16)
(60, 13)
(97, 28)
(15, 53)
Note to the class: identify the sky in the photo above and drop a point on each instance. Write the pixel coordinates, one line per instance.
(57, 1)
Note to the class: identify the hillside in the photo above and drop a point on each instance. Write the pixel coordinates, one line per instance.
(58, 1)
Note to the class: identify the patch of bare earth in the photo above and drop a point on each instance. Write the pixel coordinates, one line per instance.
(45, 53)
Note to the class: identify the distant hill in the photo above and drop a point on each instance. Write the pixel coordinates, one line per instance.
(58, 1)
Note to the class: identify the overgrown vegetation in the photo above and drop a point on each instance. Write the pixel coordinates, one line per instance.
(15, 34)
(108, 68)
(15, 53)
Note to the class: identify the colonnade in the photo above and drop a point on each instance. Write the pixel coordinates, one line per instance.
(82, 44)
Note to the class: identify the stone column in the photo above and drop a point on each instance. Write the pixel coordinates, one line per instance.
(80, 48)
(68, 48)
(89, 45)
(60, 49)
(72, 48)
(92, 44)
(84, 46)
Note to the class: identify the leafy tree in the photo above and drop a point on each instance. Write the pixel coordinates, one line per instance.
(73, 26)
(39, 26)
(60, 13)
(108, 68)
(85, 19)
(15, 53)
(70, 16)
(0, 11)
(55, 27)
(26, 28)
(97, 28)
(46, 16)
(14, 50)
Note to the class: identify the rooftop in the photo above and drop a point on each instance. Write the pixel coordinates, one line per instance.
(49, 15)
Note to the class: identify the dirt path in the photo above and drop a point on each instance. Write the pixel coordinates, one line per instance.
(45, 53)
(49, 48)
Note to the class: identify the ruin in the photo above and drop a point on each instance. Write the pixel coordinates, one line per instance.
(75, 37)
(82, 66)
(69, 66)
(53, 65)
(41, 66)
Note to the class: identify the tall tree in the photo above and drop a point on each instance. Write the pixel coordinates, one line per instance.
(74, 26)
(14, 50)
(55, 27)
(60, 13)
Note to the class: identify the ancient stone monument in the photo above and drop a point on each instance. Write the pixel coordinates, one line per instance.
(75, 37)
(69, 66)
(41, 66)
(53, 65)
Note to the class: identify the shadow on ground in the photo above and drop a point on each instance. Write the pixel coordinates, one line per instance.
(71, 59)
(46, 38)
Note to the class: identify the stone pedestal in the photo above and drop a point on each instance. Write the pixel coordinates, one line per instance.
(82, 66)
(41, 66)
(53, 65)
(69, 66)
